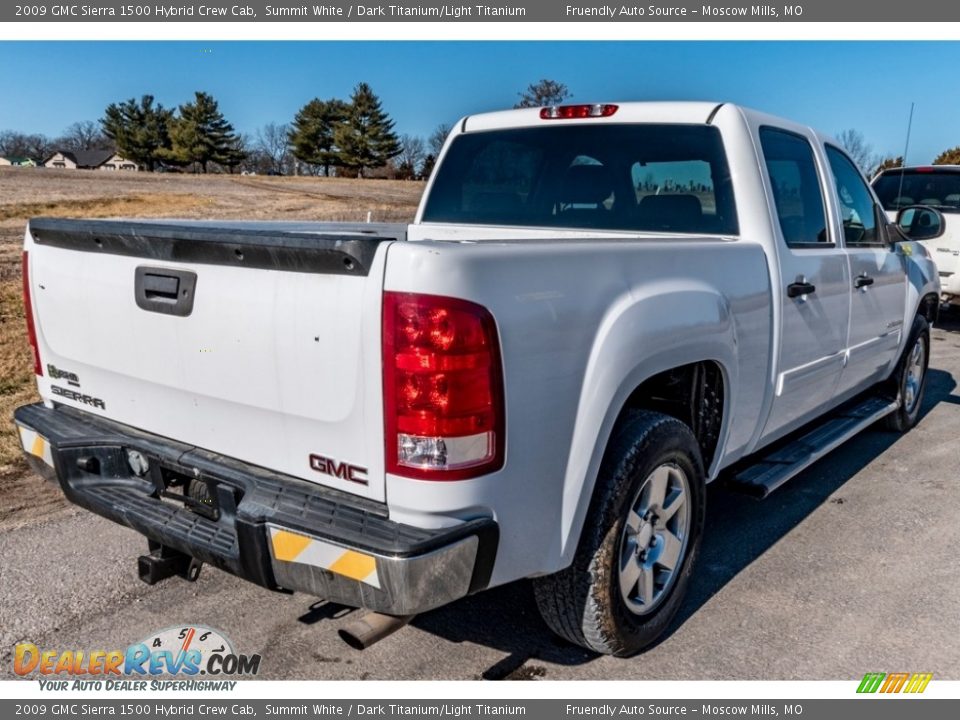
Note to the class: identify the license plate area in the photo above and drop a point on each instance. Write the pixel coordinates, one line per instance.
(204, 495)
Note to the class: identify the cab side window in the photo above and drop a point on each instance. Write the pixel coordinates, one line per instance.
(796, 187)
(856, 203)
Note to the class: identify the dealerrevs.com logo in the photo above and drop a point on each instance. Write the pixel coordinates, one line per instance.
(182, 651)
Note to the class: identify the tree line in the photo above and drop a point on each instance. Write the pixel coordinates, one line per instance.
(861, 152)
(352, 138)
(347, 138)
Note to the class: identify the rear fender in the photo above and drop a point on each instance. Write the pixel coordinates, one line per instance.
(670, 325)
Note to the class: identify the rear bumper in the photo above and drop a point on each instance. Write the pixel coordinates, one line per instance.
(277, 531)
(949, 286)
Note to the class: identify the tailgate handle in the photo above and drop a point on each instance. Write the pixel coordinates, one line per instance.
(161, 286)
(165, 290)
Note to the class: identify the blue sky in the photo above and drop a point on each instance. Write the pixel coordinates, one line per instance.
(45, 86)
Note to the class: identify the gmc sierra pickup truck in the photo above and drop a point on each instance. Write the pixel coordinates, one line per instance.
(597, 310)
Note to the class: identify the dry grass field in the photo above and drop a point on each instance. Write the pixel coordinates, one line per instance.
(32, 192)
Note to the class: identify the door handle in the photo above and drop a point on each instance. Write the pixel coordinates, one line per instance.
(800, 288)
(862, 281)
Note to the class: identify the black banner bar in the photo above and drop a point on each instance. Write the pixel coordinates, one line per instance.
(485, 11)
(143, 708)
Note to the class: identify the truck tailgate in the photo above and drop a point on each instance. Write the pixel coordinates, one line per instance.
(256, 340)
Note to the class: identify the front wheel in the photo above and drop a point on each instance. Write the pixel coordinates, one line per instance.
(639, 542)
(910, 377)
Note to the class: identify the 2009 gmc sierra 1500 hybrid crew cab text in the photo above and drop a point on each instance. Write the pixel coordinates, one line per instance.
(598, 310)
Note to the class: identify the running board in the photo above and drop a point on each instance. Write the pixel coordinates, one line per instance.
(773, 470)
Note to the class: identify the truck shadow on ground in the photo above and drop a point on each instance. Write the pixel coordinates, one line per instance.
(738, 531)
(949, 320)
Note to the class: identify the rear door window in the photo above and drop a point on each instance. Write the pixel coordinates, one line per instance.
(856, 203)
(796, 187)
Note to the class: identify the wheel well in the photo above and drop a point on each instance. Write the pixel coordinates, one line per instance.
(929, 307)
(694, 394)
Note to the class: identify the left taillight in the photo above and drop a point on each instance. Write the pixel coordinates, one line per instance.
(443, 388)
(28, 311)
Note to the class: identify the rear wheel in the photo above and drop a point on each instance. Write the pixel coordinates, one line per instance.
(639, 542)
(910, 378)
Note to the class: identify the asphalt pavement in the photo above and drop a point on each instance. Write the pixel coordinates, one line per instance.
(851, 567)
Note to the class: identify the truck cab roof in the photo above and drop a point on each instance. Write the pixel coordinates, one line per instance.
(686, 112)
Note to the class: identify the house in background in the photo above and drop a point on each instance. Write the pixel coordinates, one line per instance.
(17, 161)
(89, 160)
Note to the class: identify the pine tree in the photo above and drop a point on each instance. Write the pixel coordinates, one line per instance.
(202, 135)
(237, 153)
(312, 133)
(140, 131)
(366, 138)
(427, 168)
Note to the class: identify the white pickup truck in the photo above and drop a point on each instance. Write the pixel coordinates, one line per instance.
(936, 186)
(598, 310)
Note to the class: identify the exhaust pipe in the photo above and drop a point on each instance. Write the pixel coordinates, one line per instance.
(372, 627)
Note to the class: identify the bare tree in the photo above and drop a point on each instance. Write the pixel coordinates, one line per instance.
(410, 159)
(18, 144)
(83, 135)
(39, 147)
(859, 150)
(543, 92)
(437, 138)
(273, 144)
(9, 139)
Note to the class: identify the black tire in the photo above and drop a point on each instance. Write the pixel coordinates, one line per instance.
(584, 603)
(906, 416)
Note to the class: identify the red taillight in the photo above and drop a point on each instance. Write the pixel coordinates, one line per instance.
(442, 388)
(575, 112)
(28, 311)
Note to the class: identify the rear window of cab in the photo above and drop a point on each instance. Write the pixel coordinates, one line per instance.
(629, 177)
(899, 189)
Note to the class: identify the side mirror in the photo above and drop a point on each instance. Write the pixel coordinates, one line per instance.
(919, 222)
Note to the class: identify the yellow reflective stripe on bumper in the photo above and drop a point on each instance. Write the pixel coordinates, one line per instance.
(35, 444)
(288, 546)
(354, 565)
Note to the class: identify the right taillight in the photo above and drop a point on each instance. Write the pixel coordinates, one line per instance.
(443, 388)
(28, 311)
